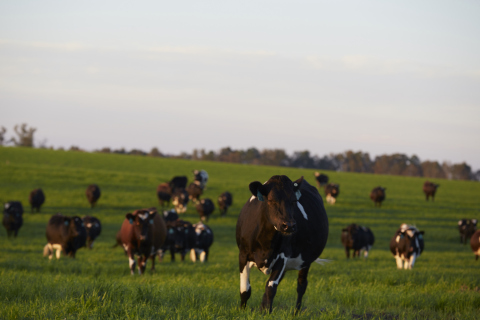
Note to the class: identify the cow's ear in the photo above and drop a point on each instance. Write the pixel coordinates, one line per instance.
(130, 217)
(258, 190)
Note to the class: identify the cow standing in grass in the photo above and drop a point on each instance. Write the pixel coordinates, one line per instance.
(205, 208)
(181, 239)
(200, 178)
(332, 191)
(203, 242)
(357, 238)
(322, 179)
(36, 199)
(93, 194)
(225, 201)
(64, 234)
(475, 244)
(282, 227)
(378, 195)
(406, 246)
(194, 192)
(430, 188)
(12, 217)
(164, 194)
(93, 228)
(467, 228)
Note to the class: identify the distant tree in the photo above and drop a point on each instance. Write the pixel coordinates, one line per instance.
(460, 171)
(76, 148)
(120, 151)
(252, 155)
(137, 152)
(2, 135)
(432, 169)
(302, 159)
(105, 150)
(25, 136)
(275, 157)
(155, 153)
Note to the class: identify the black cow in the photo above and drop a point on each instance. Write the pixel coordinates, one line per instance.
(203, 242)
(282, 227)
(467, 228)
(406, 246)
(205, 208)
(475, 244)
(180, 200)
(12, 217)
(170, 216)
(357, 238)
(93, 228)
(194, 192)
(64, 234)
(225, 200)
(93, 194)
(164, 194)
(322, 179)
(200, 178)
(430, 188)
(331, 192)
(36, 199)
(181, 238)
(378, 195)
(178, 182)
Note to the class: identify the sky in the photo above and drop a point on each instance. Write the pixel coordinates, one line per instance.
(381, 77)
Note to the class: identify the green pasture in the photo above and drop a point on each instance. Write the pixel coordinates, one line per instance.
(444, 284)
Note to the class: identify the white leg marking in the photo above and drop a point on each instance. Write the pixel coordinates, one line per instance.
(302, 210)
(202, 256)
(57, 247)
(245, 278)
(276, 282)
(399, 262)
(193, 256)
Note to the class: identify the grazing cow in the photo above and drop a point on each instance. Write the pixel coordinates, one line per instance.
(282, 227)
(36, 199)
(357, 238)
(12, 217)
(378, 195)
(181, 239)
(205, 208)
(467, 228)
(430, 188)
(178, 182)
(180, 200)
(93, 227)
(203, 242)
(64, 234)
(475, 244)
(200, 178)
(406, 246)
(322, 179)
(194, 192)
(164, 194)
(331, 192)
(93, 194)
(137, 238)
(224, 202)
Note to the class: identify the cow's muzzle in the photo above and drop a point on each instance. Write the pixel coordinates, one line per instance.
(289, 227)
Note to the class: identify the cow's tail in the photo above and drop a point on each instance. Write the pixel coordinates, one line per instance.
(323, 261)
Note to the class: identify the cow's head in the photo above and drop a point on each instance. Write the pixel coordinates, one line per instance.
(70, 226)
(279, 196)
(349, 234)
(413, 235)
(142, 221)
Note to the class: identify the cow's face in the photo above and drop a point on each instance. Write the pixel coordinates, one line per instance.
(142, 221)
(279, 196)
(71, 227)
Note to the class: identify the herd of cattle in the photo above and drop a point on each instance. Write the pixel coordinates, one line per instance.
(284, 226)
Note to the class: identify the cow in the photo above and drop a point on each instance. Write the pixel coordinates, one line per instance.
(378, 195)
(164, 194)
(200, 178)
(357, 238)
(467, 228)
(475, 244)
(93, 228)
(331, 192)
(159, 236)
(430, 188)
(284, 226)
(12, 217)
(93, 194)
(136, 235)
(36, 199)
(64, 234)
(205, 208)
(322, 179)
(181, 238)
(170, 216)
(203, 242)
(178, 182)
(406, 246)
(194, 192)
(180, 200)
(224, 202)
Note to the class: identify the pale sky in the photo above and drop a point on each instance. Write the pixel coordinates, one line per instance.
(324, 76)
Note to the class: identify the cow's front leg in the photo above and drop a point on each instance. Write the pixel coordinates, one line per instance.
(245, 289)
(301, 286)
(276, 276)
(142, 263)
(131, 261)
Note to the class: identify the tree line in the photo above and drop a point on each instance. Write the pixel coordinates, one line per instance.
(348, 161)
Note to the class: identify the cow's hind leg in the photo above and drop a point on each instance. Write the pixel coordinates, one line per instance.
(278, 271)
(245, 288)
(301, 286)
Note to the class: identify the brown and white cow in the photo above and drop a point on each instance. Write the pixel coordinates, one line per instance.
(93, 194)
(378, 195)
(225, 200)
(164, 194)
(282, 227)
(430, 188)
(205, 208)
(357, 238)
(36, 199)
(332, 191)
(475, 244)
(194, 192)
(406, 246)
(64, 234)
(467, 228)
(180, 200)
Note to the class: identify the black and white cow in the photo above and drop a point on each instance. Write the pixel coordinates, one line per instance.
(406, 246)
(322, 179)
(181, 239)
(12, 217)
(358, 239)
(178, 182)
(467, 228)
(205, 208)
(200, 178)
(93, 228)
(282, 227)
(203, 242)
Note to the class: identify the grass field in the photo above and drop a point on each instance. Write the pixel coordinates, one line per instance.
(444, 284)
